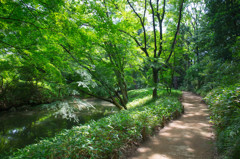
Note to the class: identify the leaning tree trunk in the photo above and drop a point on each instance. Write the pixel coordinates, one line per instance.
(123, 98)
(119, 106)
(155, 82)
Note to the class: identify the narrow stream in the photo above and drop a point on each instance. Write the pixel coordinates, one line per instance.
(21, 128)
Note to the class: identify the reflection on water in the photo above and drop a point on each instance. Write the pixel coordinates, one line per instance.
(18, 129)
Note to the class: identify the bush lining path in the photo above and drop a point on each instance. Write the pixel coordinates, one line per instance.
(190, 137)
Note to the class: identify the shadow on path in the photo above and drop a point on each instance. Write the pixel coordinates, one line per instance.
(189, 137)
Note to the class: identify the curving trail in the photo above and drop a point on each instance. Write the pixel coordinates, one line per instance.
(189, 137)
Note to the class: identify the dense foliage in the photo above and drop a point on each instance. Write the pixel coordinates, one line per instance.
(97, 48)
(224, 104)
(214, 68)
(109, 137)
(50, 50)
(215, 45)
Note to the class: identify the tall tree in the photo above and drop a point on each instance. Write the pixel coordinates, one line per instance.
(103, 51)
(69, 31)
(223, 17)
(153, 47)
(215, 39)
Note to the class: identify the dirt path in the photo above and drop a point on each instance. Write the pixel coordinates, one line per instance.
(189, 137)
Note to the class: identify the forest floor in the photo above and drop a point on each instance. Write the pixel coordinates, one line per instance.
(189, 137)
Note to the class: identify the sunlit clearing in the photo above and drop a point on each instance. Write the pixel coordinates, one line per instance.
(139, 102)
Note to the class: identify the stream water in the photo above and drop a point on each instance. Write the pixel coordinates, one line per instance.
(21, 128)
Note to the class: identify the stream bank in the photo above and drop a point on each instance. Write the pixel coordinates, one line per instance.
(29, 125)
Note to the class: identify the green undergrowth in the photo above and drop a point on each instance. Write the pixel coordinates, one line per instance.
(224, 103)
(112, 136)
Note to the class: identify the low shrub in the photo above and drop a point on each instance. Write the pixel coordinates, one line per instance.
(224, 104)
(108, 137)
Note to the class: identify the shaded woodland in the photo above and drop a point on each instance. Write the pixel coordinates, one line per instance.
(54, 50)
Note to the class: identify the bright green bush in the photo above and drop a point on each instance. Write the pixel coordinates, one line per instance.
(108, 137)
(224, 104)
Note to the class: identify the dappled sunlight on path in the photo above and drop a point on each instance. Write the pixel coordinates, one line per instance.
(190, 137)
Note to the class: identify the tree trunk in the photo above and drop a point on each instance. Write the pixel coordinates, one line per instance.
(155, 81)
(125, 96)
(119, 106)
(198, 62)
(123, 87)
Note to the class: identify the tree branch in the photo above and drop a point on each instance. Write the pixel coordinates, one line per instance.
(96, 96)
(175, 36)
(108, 89)
(28, 9)
(145, 11)
(138, 43)
(12, 19)
(154, 29)
(160, 20)
(143, 26)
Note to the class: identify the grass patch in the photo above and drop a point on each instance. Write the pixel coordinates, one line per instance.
(109, 137)
(139, 97)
